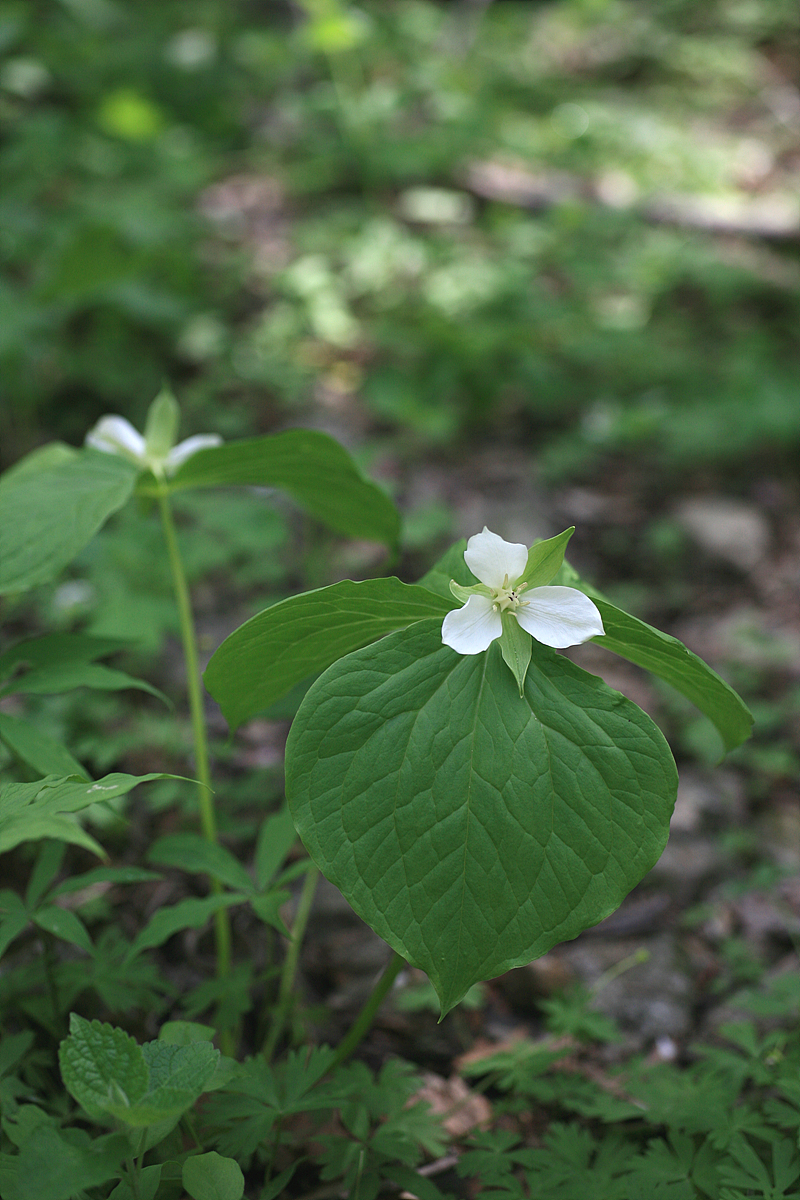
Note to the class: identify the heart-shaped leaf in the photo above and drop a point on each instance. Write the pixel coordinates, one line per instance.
(471, 828)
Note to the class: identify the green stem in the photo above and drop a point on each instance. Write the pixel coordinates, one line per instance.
(208, 822)
(290, 962)
(49, 962)
(134, 1165)
(367, 1014)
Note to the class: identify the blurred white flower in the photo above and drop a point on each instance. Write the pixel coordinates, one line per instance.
(556, 616)
(115, 435)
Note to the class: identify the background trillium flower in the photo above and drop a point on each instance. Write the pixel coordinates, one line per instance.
(115, 435)
(556, 616)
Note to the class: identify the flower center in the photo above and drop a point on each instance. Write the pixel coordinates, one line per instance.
(507, 598)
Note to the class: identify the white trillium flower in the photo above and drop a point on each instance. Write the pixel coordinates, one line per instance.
(115, 435)
(556, 616)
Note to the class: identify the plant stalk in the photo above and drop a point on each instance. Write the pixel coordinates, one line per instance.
(208, 821)
(289, 970)
(367, 1014)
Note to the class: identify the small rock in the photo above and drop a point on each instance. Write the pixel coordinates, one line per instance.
(689, 863)
(648, 1001)
(731, 530)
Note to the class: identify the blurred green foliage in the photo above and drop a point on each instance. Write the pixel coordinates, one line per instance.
(574, 223)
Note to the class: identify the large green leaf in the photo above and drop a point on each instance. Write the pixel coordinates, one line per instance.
(47, 516)
(312, 467)
(471, 828)
(56, 1165)
(284, 644)
(668, 658)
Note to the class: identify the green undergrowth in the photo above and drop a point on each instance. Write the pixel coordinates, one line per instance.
(721, 1124)
(278, 203)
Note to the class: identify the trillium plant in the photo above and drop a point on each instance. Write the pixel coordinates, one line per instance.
(476, 795)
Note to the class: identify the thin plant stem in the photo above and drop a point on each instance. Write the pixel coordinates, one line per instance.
(208, 821)
(289, 970)
(49, 961)
(134, 1165)
(367, 1014)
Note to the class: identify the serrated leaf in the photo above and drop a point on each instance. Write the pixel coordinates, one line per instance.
(187, 914)
(312, 467)
(177, 1075)
(270, 653)
(38, 749)
(195, 854)
(111, 1076)
(49, 514)
(65, 925)
(188, 1066)
(212, 1177)
(472, 829)
(52, 1166)
(102, 1067)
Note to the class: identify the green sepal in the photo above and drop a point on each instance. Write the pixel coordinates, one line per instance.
(161, 427)
(516, 647)
(463, 593)
(545, 559)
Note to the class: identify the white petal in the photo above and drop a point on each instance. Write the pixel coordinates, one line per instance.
(490, 558)
(559, 616)
(179, 454)
(115, 435)
(473, 628)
